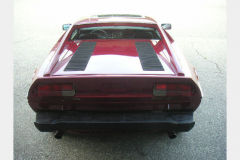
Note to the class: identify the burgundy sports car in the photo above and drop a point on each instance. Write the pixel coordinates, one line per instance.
(115, 73)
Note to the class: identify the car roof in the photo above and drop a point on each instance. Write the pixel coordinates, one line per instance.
(116, 18)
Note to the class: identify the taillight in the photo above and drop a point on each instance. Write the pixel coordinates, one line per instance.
(55, 90)
(172, 90)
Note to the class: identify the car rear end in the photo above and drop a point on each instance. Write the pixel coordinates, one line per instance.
(117, 102)
(109, 85)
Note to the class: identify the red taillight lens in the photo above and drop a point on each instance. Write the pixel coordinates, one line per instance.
(179, 87)
(67, 87)
(55, 90)
(172, 90)
(160, 86)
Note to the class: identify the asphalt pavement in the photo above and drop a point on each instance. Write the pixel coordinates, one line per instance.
(199, 28)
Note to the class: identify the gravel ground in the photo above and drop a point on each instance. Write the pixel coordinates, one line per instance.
(198, 27)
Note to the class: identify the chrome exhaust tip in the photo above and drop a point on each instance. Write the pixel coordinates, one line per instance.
(59, 134)
(172, 134)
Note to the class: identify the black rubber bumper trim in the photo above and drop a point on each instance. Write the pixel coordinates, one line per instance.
(178, 122)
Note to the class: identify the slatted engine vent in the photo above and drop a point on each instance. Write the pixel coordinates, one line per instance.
(80, 59)
(148, 57)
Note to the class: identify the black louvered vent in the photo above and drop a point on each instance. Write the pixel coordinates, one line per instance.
(148, 57)
(81, 57)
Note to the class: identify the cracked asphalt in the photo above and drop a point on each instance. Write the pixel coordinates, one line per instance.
(199, 28)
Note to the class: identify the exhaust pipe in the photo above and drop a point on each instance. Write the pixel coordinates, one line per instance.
(172, 134)
(59, 134)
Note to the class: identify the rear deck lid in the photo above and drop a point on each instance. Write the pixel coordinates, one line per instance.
(114, 57)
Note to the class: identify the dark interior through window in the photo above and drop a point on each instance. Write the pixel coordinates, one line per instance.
(115, 32)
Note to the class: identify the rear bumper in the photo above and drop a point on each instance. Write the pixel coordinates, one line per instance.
(178, 122)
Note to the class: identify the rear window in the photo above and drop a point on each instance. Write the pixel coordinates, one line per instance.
(115, 32)
(119, 15)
